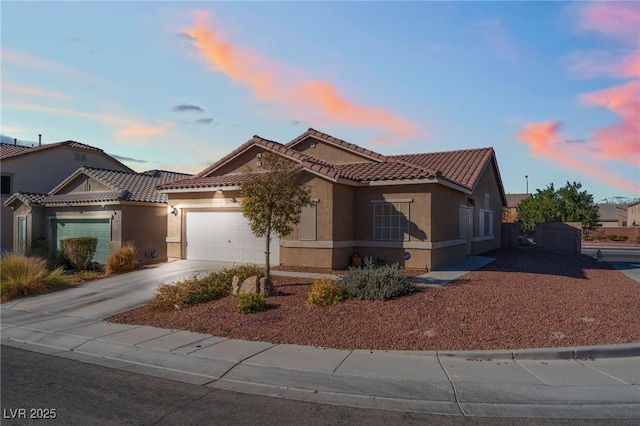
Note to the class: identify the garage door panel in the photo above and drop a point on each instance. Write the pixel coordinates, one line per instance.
(226, 237)
(75, 228)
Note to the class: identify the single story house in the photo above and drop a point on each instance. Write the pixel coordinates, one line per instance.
(510, 212)
(612, 215)
(420, 210)
(39, 168)
(116, 207)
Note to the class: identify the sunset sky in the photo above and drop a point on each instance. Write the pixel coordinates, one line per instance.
(553, 87)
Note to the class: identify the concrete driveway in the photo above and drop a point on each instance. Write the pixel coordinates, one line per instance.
(110, 296)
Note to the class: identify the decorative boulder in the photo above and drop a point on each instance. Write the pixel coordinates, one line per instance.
(235, 285)
(253, 285)
(250, 285)
(267, 288)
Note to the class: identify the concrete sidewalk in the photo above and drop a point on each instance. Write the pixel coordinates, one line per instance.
(583, 382)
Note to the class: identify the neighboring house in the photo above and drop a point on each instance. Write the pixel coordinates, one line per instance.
(39, 168)
(633, 214)
(116, 207)
(510, 212)
(612, 215)
(421, 210)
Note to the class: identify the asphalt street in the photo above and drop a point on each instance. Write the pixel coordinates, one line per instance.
(71, 392)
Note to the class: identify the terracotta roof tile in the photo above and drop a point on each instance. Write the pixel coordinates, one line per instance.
(124, 186)
(462, 167)
(197, 182)
(9, 150)
(28, 198)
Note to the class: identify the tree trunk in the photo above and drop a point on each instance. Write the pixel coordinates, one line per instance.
(267, 265)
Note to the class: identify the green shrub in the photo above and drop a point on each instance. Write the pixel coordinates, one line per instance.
(79, 251)
(201, 289)
(24, 276)
(373, 282)
(124, 260)
(638, 239)
(40, 248)
(249, 303)
(325, 291)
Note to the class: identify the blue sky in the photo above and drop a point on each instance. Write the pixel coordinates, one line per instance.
(554, 87)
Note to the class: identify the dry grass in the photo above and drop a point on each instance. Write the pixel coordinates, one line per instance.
(24, 276)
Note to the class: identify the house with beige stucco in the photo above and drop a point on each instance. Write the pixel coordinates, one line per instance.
(38, 169)
(419, 210)
(116, 207)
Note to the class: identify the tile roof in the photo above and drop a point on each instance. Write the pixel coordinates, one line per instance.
(211, 182)
(28, 198)
(9, 150)
(123, 186)
(462, 167)
(514, 199)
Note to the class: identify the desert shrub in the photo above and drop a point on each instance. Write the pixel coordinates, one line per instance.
(201, 289)
(373, 282)
(638, 239)
(79, 251)
(124, 260)
(249, 303)
(325, 291)
(622, 238)
(24, 276)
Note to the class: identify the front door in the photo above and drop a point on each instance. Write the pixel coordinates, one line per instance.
(465, 227)
(22, 235)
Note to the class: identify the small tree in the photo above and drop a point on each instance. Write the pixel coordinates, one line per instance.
(566, 204)
(273, 200)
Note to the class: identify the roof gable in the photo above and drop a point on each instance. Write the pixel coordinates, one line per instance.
(9, 151)
(111, 185)
(336, 151)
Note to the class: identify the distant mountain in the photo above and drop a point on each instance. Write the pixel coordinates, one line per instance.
(9, 139)
(619, 200)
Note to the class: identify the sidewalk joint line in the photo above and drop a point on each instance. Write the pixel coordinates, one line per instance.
(532, 373)
(453, 386)
(341, 362)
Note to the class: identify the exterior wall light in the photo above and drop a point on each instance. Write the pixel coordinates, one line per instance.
(174, 211)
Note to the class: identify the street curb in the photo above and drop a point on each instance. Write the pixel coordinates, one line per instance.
(624, 350)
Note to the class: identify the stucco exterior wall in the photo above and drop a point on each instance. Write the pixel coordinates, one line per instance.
(52, 166)
(146, 228)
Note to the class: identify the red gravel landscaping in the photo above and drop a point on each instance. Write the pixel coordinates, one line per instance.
(524, 299)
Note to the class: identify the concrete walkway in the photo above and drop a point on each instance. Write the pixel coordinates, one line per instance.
(583, 382)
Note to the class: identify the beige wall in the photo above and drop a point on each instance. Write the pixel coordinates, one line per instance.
(633, 215)
(145, 227)
(41, 172)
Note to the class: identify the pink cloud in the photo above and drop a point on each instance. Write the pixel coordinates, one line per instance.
(619, 141)
(21, 59)
(279, 84)
(34, 91)
(546, 142)
(618, 19)
(125, 127)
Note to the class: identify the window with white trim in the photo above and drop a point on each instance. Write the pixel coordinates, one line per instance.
(391, 221)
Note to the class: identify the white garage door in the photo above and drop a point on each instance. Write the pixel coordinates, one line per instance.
(226, 237)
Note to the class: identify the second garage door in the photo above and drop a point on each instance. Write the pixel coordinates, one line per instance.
(225, 237)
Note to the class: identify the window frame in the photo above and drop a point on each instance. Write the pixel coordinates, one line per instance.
(390, 220)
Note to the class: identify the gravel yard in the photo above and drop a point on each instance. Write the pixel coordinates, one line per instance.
(524, 299)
